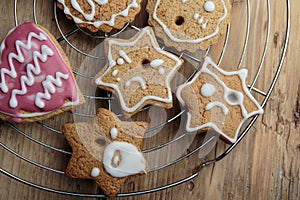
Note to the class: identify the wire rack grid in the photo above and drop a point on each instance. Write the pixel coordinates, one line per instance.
(264, 93)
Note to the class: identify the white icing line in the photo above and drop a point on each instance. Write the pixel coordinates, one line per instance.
(97, 24)
(101, 2)
(242, 74)
(144, 31)
(95, 172)
(156, 63)
(210, 105)
(131, 161)
(77, 7)
(138, 79)
(31, 70)
(125, 56)
(19, 57)
(172, 37)
(49, 88)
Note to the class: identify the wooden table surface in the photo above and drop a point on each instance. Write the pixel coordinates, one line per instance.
(265, 165)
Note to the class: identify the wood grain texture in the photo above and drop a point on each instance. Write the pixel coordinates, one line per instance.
(265, 165)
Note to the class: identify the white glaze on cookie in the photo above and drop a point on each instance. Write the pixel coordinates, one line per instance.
(236, 100)
(128, 161)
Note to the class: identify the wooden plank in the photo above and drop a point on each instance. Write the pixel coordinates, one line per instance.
(265, 165)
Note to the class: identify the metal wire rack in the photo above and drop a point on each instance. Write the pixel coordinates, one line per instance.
(264, 93)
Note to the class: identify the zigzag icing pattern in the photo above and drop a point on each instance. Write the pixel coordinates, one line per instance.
(19, 57)
(49, 87)
(35, 80)
(31, 70)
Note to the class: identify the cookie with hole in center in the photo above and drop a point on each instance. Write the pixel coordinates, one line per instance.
(187, 24)
(218, 100)
(106, 150)
(100, 15)
(139, 72)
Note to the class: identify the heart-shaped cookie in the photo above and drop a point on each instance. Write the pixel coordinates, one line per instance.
(36, 81)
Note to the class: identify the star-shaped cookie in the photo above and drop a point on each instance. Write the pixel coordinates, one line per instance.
(218, 100)
(138, 72)
(106, 150)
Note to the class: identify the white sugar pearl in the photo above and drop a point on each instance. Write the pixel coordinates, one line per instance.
(113, 133)
(95, 172)
(209, 6)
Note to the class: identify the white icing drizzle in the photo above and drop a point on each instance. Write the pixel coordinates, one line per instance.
(217, 104)
(19, 57)
(200, 21)
(131, 161)
(156, 63)
(138, 79)
(125, 56)
(49, 88)
(113, 133)
(95, 172)
(161, 71)
(203, 26)
(31, 70)
(209, 6)
(101, 2)
(207, 90)
(196, 15)
(118, 79)
(115, 72)
(183, 1)
(91, 15)
(144, 31)
(120, 61)
(227, 91)
(77, 7)
(172, 37)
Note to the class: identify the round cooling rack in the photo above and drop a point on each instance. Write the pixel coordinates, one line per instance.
(47, 152)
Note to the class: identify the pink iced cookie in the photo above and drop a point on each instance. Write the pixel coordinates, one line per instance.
(35, 77)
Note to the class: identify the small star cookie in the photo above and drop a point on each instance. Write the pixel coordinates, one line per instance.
(139, 72)
(106, 150)
(187, 24)
(218, 100)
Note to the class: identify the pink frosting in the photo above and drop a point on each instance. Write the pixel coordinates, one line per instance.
(54, 63)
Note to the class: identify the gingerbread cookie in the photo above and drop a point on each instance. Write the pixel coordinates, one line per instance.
(106, 150)
(36, 81)
(100, 15)
(218, 100)
(138, 72)
(187, 24)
